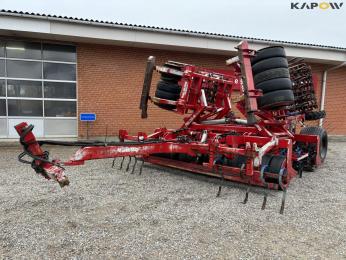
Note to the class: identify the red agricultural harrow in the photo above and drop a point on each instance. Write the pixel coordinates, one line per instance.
(259, 145)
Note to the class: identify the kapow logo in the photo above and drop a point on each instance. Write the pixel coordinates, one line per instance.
(316, 6)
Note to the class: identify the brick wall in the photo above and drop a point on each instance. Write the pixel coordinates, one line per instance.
(335, 102)
(110, 80)
(335, 105)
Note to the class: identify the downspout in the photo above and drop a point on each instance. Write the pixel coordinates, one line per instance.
(324, 86)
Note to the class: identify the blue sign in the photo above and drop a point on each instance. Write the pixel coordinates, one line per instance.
(87, 117)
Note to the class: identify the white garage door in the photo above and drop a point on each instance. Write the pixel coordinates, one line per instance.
(38, 85)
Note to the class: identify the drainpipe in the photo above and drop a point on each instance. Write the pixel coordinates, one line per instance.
(324, 86)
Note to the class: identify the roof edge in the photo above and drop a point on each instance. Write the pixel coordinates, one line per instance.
(165, 30)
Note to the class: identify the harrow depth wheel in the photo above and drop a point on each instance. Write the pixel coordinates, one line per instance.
(276, 166)
(323, 143)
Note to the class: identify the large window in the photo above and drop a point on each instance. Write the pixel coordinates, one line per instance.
(2, 49)
(2, 68)
(2, 88)
(59, 71)
(38, 85)
(24, 88)
(23, 50)
(24, 69)
(59, 52)
(22, 107)
(2, 107)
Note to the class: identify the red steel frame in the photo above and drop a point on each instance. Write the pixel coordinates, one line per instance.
(262, 132)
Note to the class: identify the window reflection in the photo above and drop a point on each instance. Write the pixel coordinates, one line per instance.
(24, 107)
(2, 49)
(59, 52)
(59, 71)
(2, 68)
(59, 90)
(21, 88)
(24, 69)
(2, 107)
(23, 50)
(60, 108)
(2, 88)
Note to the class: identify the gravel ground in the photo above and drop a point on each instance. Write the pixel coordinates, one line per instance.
(165, 213)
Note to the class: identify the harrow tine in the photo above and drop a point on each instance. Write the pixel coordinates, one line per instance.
(283, 201)
(248, 188)
(134, 165)
(121, 164)
(284, 190)
(264, 200)
(222, 181)
(264, 203)
(247, 194)
(218, 192)
(265, 196)
(300, 171)
(141, 167)
(113, 163)
(128, 164)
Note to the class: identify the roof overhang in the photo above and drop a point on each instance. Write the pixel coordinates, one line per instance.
(50, 28)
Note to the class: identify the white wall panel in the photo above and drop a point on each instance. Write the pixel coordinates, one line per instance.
(38, 129)
(3, 127)
(60, 127)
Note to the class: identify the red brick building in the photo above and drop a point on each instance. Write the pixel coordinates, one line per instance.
(54, 68)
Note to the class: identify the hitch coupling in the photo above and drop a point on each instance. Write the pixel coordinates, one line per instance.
(40, 159)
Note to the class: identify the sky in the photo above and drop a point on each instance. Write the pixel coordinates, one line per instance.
(265, 19)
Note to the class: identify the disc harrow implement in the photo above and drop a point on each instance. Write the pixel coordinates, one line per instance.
(238, 125)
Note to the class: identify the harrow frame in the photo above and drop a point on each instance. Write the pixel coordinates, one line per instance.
(211, 133)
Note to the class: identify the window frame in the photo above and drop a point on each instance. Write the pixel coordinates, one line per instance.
(42, 80)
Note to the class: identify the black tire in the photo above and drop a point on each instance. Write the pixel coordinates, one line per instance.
(266, 160)
(168, 76)
(237, 161)
(168, 87)
(275, 84)
(276, 99)
(322, 133)
(172, 66)
(167, 106)
(276, 164)
(271, 63)
(271, 74)
(269, 52)
(166, 95)
(315, 115)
